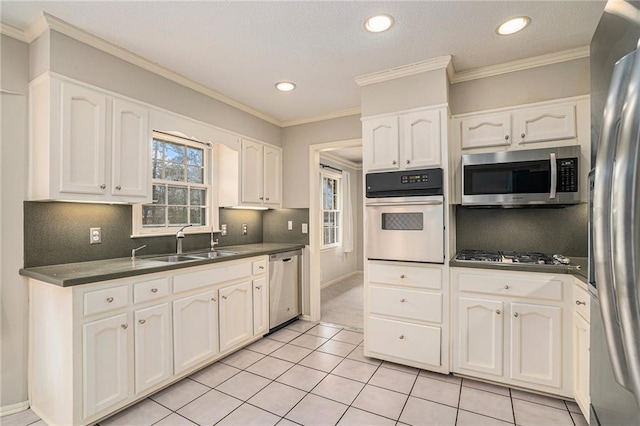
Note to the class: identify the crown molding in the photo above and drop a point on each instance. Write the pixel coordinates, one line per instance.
(12, 32)
(340, 161)
(48, 22)
(522, 64)
(337, 114)
(405, 70)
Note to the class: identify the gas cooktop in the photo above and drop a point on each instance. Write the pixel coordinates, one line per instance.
(531, 258)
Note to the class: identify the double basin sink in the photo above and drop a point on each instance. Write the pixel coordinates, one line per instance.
(190, 257)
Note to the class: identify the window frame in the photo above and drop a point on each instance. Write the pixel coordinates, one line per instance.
(208, 170)
(328, 173)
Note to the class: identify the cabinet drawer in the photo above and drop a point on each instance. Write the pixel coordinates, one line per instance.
(215, 275)
(259, 267)
(582, 300)
(419, 343)
(547, 288)
(99, 301)
(406, 275)
(150, 290)
(409, 304)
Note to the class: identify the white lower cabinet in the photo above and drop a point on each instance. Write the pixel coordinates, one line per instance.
(581, 345)
(105, 362)
(153, 346)
(98, 347)
(513, 327)
(406, 314)
(236, 314)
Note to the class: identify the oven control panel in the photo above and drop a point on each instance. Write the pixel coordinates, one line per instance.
(405, 183)
(414, 178)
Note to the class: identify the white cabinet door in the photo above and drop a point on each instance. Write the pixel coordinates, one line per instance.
(546, 123)
(581, 344)
(83, 149)
(195, 329)
(236, 314)
(153, 348)
(487, 130)
(536, 346)
(105, 362)
(252, 172)
(480, 337)
(381, 144)
(130, 159)
(260, 307)
(272, 175)
(421, 139)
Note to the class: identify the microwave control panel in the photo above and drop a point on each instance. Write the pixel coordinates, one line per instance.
(567, 175)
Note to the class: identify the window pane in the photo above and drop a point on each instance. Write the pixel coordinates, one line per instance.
(177, 215)
(157, 149)
(198, 197)
(194, 156)
(174, 153)
(178, 195)
(159, 194)
(156, 169)
(198, 215)
(195, 174)
(153, 216)
(327, 233)
(174, 172)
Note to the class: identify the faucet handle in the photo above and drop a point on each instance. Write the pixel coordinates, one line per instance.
(133, 251)
(180, 233)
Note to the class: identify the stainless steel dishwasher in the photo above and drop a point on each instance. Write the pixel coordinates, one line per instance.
(284, 287)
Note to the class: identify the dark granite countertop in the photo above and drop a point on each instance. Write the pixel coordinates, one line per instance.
(578, 267)
(70, 274)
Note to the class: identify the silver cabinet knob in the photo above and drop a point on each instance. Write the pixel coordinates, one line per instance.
(506, 137)
(262, 198)
(118, 187)
(260, 267)
(224, 297)
(258, 287)
(402, 276)
(403, 300)
(506, 287)
(109, 299)
(401, 337)
(267, 198)
(580, 303)
(103, 186)
(124, 326)
(498, 311)
(213, 299)
(142, 321)
(394, 162)
(522, 135)
(408, 161)
(154, 290)
(515, 314)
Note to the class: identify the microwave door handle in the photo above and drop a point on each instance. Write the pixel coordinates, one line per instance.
(625, 243)
(601, 216)
(554, 176)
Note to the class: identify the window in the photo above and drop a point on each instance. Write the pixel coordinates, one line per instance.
(331, 209)
(181, 187)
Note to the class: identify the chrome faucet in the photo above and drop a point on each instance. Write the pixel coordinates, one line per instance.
(133, 251)
(213, 243)
(179, 238)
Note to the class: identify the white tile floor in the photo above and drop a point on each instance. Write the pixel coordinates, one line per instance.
(311, 374)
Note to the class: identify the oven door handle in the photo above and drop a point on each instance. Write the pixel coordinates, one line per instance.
(404, 203)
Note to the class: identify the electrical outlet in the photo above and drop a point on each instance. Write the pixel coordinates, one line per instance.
(95, 236)
(245, 229)
(290, 225)
(305, 228)
(223, 229)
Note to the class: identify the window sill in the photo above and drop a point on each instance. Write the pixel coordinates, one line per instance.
(331, 247)
(165, 233)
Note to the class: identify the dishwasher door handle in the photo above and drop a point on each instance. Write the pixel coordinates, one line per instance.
(287, 260)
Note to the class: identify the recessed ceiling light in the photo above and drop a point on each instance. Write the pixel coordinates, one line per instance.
(285, 86)
(513, 25)
(378, 23)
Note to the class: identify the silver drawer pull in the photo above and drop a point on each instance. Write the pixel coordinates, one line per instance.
(103, 186)
(498, 311)
(118, 187)
(154, 290)
(109, 299)
(515, 314)
(506, 287)
(401, 337)
(260, 267)
(402, 276)
(142, 321)
(124, 326)
(403, 300)
(580, 303)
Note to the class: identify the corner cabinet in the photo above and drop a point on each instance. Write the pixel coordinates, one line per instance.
(509, 327)
(87, 145)
(112, 343)
(404, 141)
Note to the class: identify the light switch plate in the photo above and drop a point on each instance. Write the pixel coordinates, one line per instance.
(223, 229)
(305, 228)
(290, 225)
(245, 229)
(95, 236)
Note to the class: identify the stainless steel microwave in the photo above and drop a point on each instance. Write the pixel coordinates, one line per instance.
(519, 178)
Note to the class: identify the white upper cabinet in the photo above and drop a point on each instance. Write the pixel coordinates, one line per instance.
(272, 176)
(489, 130)
(546, 123)
(404, 141)
(87, 145)
(252, 172)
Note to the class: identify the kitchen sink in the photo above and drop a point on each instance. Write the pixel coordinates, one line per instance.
(213, 254)
(177, 258)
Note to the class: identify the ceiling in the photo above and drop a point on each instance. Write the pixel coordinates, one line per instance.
(240, 49)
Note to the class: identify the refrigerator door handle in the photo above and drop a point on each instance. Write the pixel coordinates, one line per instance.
(625, 226)
(554, 175)
(602, 206)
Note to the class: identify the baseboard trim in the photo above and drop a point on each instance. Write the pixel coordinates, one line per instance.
(350, 274)
(14, 408)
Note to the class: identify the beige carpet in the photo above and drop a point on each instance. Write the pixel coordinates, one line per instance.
(343, 303)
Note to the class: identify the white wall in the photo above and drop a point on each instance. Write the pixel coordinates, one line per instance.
(334, 262)
(295, 147)
(14, 74)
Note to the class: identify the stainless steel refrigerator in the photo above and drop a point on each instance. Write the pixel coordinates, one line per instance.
(614, 230)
